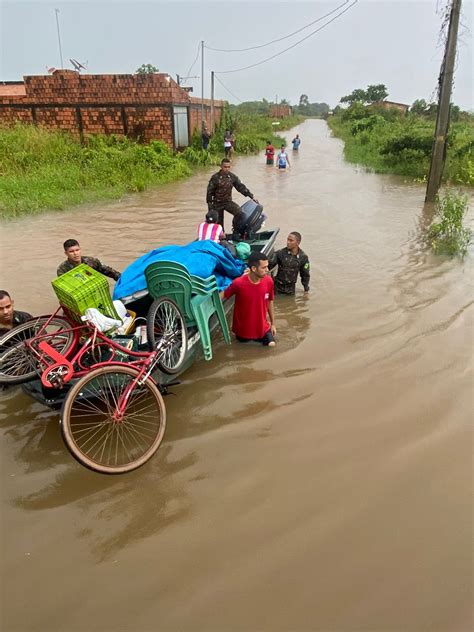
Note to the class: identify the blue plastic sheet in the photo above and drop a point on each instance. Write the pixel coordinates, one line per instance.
(201, 258)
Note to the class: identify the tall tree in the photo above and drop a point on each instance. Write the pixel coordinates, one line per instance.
(304, 101)
(358, 95)
(376, 93)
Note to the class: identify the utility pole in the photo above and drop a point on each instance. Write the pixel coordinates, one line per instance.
(202, 83)
(59, 37)
(444, 100)
(177, 79)
(212, 102)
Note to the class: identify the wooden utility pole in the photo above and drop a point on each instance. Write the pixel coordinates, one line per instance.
(212, 102)
(442, 118)
(202, 83)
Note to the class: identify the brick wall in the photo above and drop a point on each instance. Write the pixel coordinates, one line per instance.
(140, 106)
(280, 111)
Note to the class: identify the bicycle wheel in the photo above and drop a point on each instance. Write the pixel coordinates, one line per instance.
(17, 364)
(94, 435)
(166, 323)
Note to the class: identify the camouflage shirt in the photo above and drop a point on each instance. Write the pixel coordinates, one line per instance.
(18, 319)
(289, 266)
(93, 263)
(220, 186)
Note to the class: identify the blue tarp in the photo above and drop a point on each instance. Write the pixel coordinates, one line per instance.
(201, 258)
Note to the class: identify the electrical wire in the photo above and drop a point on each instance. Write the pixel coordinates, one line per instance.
(192, 65)
(263, 61)
(280, 39)
(226, 88)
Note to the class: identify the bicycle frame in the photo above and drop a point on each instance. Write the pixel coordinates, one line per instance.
(64, 368)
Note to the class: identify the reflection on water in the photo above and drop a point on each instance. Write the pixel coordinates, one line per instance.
(322, 484)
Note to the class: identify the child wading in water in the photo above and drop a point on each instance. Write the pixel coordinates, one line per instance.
(282, 158)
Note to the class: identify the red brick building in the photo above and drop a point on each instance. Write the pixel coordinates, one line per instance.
(392, 105)
(144, 106)
(280, 111)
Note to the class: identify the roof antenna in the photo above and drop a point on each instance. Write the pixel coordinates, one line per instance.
(77, 65)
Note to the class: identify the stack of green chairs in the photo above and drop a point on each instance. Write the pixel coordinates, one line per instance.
(197, 298)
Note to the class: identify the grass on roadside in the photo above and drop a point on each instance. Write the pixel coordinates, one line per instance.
(42, 169)
(388, 142)
(447, 236)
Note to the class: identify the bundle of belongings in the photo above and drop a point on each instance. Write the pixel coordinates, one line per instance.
(200, 258)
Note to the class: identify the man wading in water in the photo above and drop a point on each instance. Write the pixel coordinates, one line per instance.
(253, 301)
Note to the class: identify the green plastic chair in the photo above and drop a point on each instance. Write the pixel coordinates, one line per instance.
(197, 302)
(200, 283)
(199, 286)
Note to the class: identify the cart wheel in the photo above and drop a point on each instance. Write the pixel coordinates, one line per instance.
(93, 434)
(165, 321)
(16, 362)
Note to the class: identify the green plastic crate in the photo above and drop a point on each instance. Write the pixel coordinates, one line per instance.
(81, 288)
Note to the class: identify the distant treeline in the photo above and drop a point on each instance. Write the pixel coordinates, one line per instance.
(263, 107)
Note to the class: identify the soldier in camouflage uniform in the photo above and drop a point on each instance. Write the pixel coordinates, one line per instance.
(9, 317)
(72, 251)
(219, 193)
(291, 261)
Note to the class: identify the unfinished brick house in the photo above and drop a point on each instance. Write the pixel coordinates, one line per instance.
(392, 105)
(280, 111)
(141, 106)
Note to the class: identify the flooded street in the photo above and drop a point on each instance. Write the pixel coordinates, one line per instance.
(325, 484)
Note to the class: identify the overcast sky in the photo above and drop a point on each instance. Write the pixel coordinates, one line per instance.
(394, 42)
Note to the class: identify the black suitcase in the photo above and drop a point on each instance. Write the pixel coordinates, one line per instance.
(249, 221)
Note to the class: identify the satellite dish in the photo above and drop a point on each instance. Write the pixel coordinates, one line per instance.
(77, 65)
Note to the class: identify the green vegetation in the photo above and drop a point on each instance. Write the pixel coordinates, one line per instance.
(311, 109)
(372, 94)
(447, 236)
(388, 141)
(146, 69)
(42, 169)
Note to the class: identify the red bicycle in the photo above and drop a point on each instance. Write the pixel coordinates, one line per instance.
(113, 418)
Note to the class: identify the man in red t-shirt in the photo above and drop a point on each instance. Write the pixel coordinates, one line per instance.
(270, 153)
(253, 301)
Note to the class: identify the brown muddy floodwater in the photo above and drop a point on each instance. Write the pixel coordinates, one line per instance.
(325, 484)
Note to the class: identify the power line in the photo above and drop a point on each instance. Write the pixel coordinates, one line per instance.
(280, 39)
(263, 61)
(197, 56)
(226, 88)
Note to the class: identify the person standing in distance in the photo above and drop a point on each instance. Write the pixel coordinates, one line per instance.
(219, 193)
(205, 136)
(296, 142)
(291, 261)
(254, 293)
